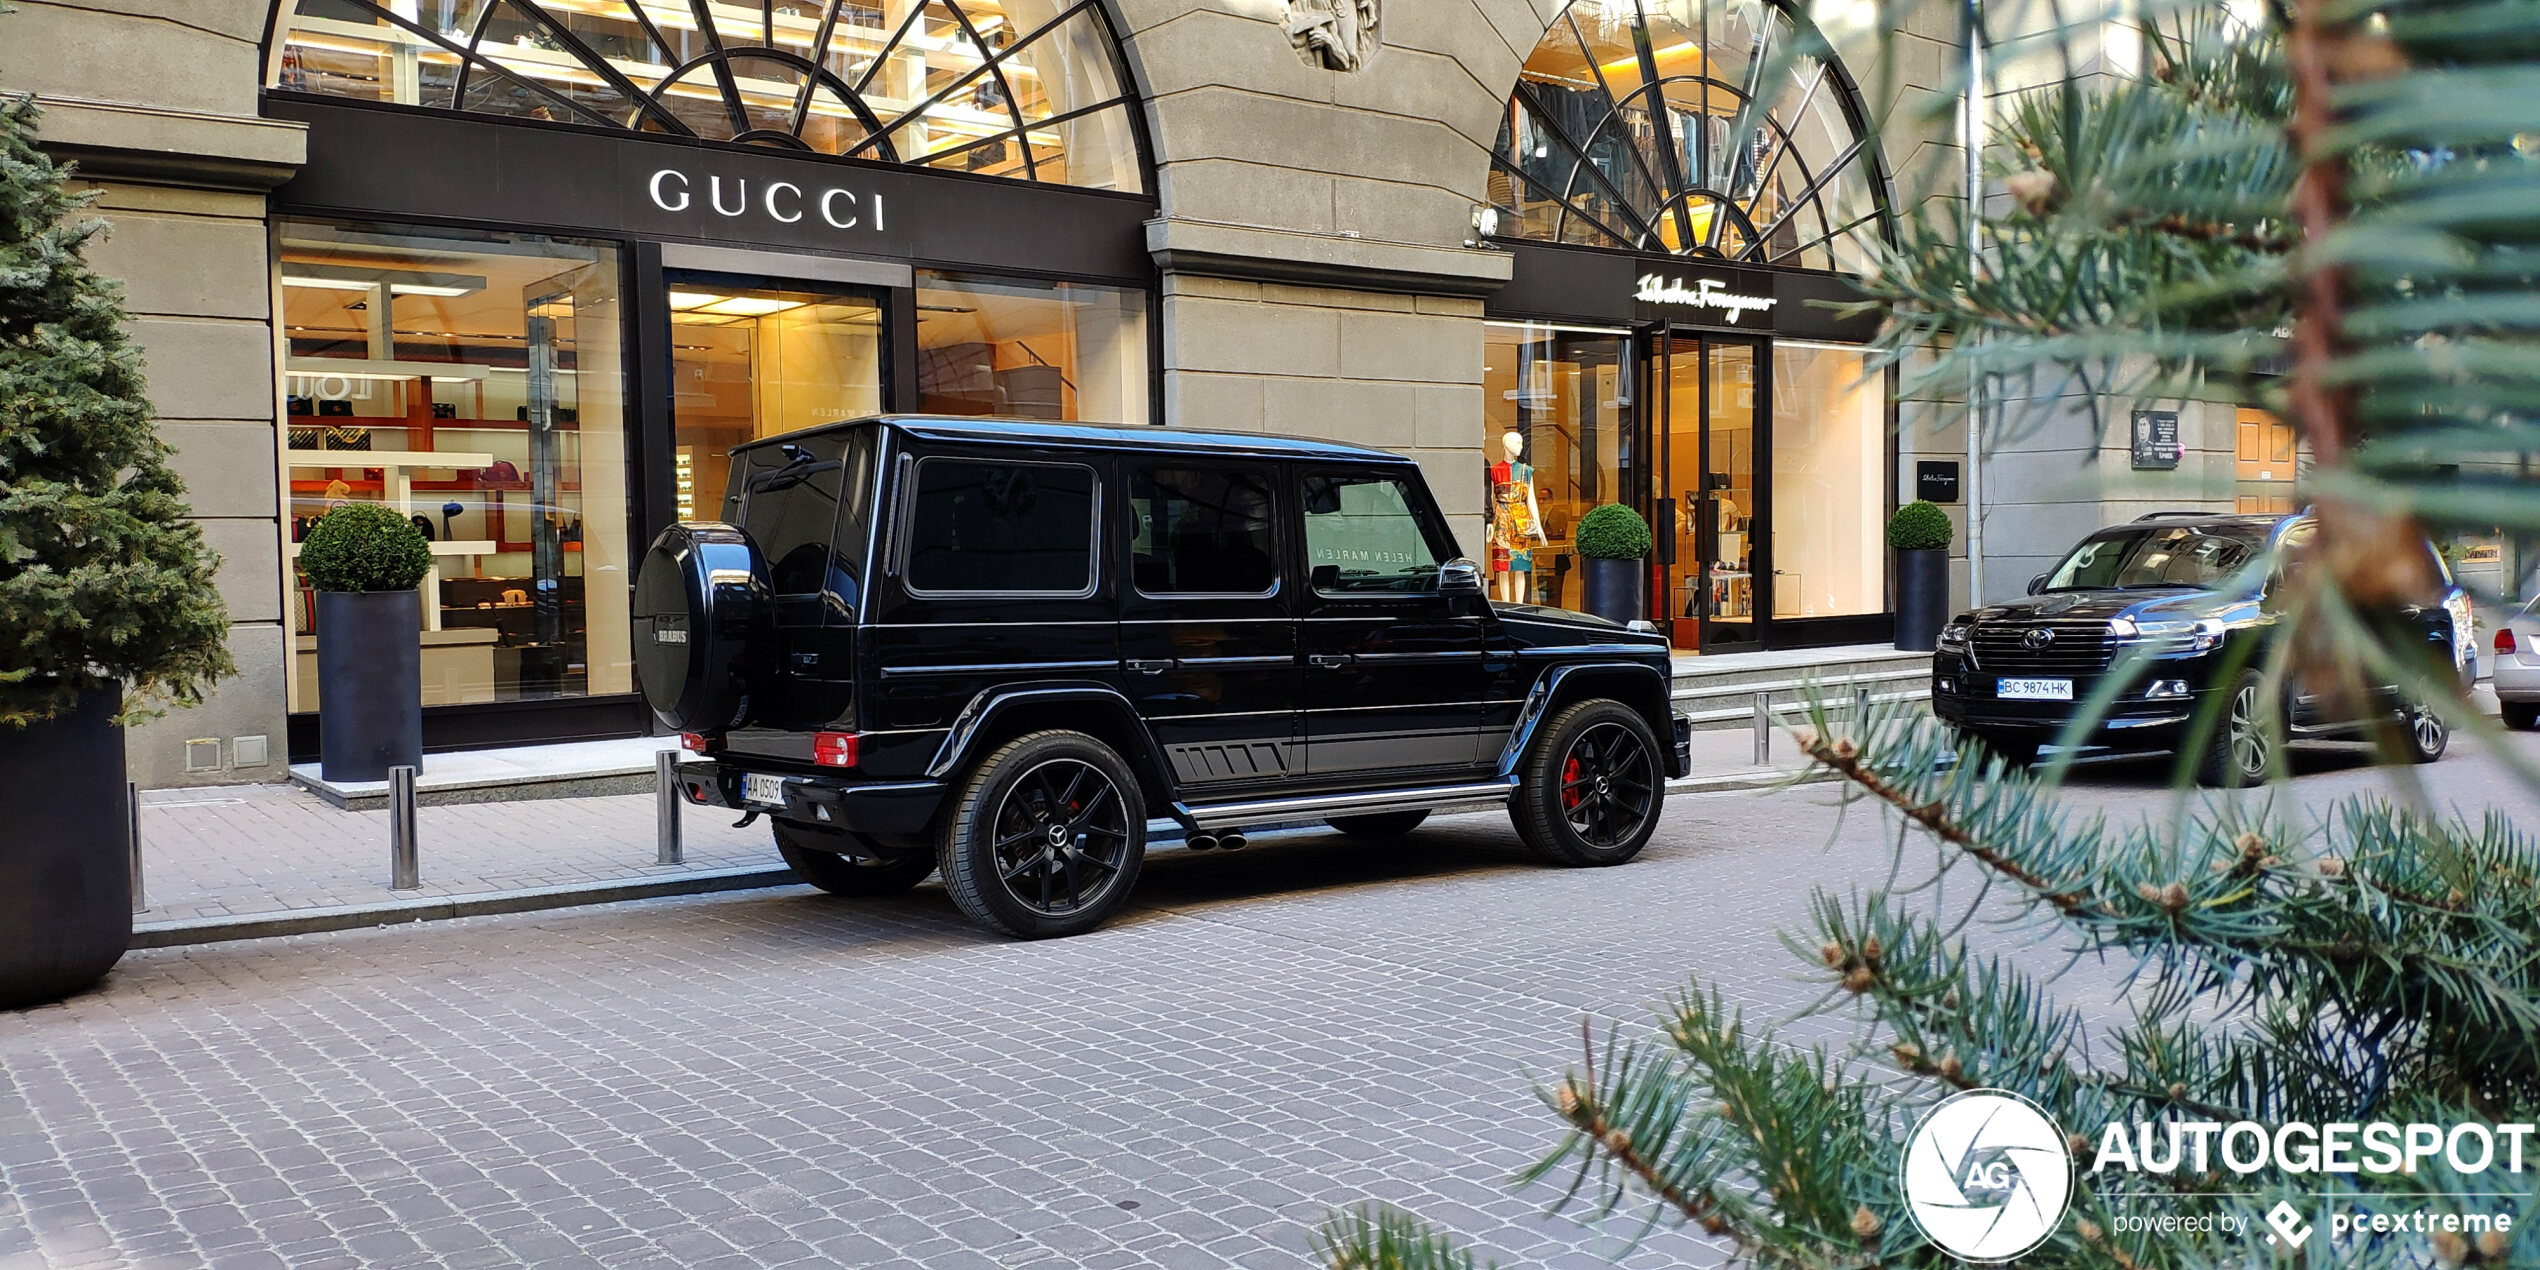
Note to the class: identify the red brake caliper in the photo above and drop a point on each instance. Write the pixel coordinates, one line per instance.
(1570, 795)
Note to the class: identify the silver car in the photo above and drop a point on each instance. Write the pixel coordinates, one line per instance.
(2517, 676)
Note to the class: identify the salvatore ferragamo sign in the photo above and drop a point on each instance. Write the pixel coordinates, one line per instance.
(1721, 299)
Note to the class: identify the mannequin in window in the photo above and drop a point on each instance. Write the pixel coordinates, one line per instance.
(1516, 525)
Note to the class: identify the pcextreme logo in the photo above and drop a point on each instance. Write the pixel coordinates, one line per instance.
(1987, 1176)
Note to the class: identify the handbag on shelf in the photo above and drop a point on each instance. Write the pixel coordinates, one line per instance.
(308, 438)
(354, 439)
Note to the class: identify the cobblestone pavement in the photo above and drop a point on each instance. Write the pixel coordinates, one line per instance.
(779, 1078)
(273, 848)
(256, 849)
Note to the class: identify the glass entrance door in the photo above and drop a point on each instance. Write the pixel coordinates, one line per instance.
(1711, 407)
(754, 357)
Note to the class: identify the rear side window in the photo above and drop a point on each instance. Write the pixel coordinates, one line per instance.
(1201, 531)
(808, 505)
(978, 526)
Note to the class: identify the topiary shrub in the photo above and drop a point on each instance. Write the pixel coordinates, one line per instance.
(1613, 532)
(364, 547)
(103, 573)
(1920, 526)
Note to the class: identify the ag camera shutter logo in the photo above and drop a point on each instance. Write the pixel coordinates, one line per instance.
(1987, 1175)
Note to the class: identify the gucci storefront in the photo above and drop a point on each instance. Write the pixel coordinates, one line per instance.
(1674, 336)
(531, 292)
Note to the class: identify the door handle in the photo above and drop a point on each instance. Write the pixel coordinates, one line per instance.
(1327, 661)
(1145, 666)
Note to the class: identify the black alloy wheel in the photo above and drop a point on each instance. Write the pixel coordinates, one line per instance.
(2241, 749)
(1383, 824)
(842, 864)
(1591, 788)
(1045, 837)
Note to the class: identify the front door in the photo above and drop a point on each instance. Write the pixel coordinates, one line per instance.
(1394, 677)
(1710, 404)
(1208, 643)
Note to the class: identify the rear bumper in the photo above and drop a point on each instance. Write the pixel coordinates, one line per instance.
(2516, 678)
(836, 802)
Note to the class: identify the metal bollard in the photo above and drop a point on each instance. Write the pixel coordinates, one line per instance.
(403, 865)
(1861, 708)
(667, 847)
(132, 842)
(1763, 728)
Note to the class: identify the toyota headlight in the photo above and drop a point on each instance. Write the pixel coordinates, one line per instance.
(1953, 637)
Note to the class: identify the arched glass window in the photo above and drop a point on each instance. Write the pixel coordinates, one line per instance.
(1624, 132)
(1031, 89)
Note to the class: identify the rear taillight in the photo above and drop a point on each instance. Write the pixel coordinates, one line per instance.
(834, 749)
(2505, 641)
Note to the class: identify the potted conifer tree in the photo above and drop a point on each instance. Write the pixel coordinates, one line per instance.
(364, 560)
(1919, 534)
(107, 608)
(1614, 542)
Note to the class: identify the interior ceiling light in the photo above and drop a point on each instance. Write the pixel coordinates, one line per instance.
(682, 301)
(749, 306)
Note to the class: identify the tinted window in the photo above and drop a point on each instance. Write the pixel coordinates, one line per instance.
(2153, 556)
(1362, 535)
(809, 506)
(1201, 532)
(984, 526)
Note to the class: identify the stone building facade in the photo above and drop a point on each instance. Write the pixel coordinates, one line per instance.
(1279, 215)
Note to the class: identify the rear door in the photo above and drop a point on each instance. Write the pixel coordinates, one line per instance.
(1208, 642)
(807, 504)
(1394, 678)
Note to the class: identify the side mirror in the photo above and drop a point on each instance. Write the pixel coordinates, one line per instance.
(2037, 585)
(1460, 579)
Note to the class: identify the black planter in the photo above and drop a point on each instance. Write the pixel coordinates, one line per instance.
(1922, 598)
(1612, 589)
(370, 683)
(65, 859)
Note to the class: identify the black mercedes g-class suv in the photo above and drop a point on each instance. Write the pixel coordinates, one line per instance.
(2177, 602)
(998, 647)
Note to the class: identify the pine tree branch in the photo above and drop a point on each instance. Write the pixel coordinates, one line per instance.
(1843, 756)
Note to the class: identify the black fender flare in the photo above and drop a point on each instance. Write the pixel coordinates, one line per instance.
(1548, 691)
(980, 715)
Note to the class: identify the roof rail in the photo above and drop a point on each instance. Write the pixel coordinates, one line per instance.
(2175, 515)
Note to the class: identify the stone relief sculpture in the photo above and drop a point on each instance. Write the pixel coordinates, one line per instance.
(1337, 35)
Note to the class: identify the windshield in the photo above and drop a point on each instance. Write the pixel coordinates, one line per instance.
(2146, 557)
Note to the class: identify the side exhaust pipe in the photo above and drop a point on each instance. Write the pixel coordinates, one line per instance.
(1230, 842)
(1201, 842)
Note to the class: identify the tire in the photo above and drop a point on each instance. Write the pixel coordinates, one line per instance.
(820, 857)
(1590, 790)
(2241, 749)
(1005, 857)
(2015, 749)
(2522, 716)
(2428, 735)
(1389, 824)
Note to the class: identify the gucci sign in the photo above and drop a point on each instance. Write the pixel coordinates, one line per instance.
(1705, 293)
(781, 201)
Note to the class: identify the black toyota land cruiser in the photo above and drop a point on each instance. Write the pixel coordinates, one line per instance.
(2174, 600)
(997, 648)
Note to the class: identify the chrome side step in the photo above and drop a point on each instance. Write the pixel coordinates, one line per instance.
(1358, 803)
